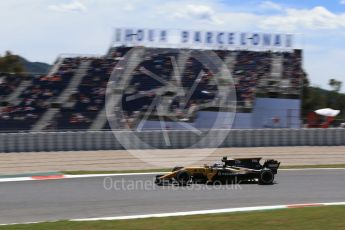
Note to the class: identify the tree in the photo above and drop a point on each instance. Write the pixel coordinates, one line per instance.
(335, 84)
(11, 63)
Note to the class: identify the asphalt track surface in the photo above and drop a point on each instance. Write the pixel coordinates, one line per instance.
(31, 201)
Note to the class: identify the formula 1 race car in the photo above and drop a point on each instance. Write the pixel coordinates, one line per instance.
(236, 170)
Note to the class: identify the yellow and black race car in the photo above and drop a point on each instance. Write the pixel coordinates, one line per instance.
(229, 171)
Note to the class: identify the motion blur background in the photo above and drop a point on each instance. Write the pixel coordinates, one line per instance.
(274, 88)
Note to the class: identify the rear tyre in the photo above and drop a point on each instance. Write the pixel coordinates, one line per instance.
(266, 177)
(183, 177)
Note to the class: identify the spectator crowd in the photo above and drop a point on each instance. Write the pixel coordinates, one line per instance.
(156, 69)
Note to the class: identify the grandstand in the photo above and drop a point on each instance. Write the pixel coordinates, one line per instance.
(72, 95)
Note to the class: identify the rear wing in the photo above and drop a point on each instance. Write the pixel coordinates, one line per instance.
(273, 165)
(251, 163)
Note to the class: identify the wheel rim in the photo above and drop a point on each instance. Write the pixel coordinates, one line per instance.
(267, 177)
(184, 178)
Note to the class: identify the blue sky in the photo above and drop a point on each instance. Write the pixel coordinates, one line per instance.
(40, 30)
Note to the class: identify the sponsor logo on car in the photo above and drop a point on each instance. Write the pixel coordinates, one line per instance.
(225, 173)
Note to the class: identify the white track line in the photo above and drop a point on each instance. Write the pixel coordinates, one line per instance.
(310, 169)
(112, 174)
(201, 212)
(15, 179)
(214, 211)
(20, 223)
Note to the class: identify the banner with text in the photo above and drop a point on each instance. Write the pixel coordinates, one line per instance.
(198, 39)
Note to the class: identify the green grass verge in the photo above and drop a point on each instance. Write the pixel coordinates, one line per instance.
(313, 166)
(83, 172)
(316, 218)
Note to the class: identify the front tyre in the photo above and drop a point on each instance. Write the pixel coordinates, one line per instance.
(183, 177)
(158, 181)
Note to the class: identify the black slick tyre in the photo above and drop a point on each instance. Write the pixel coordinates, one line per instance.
(183, 177)
(266, 177)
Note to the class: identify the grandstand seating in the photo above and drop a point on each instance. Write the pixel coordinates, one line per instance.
(8, 83)
(35, 100)
(88, 100)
